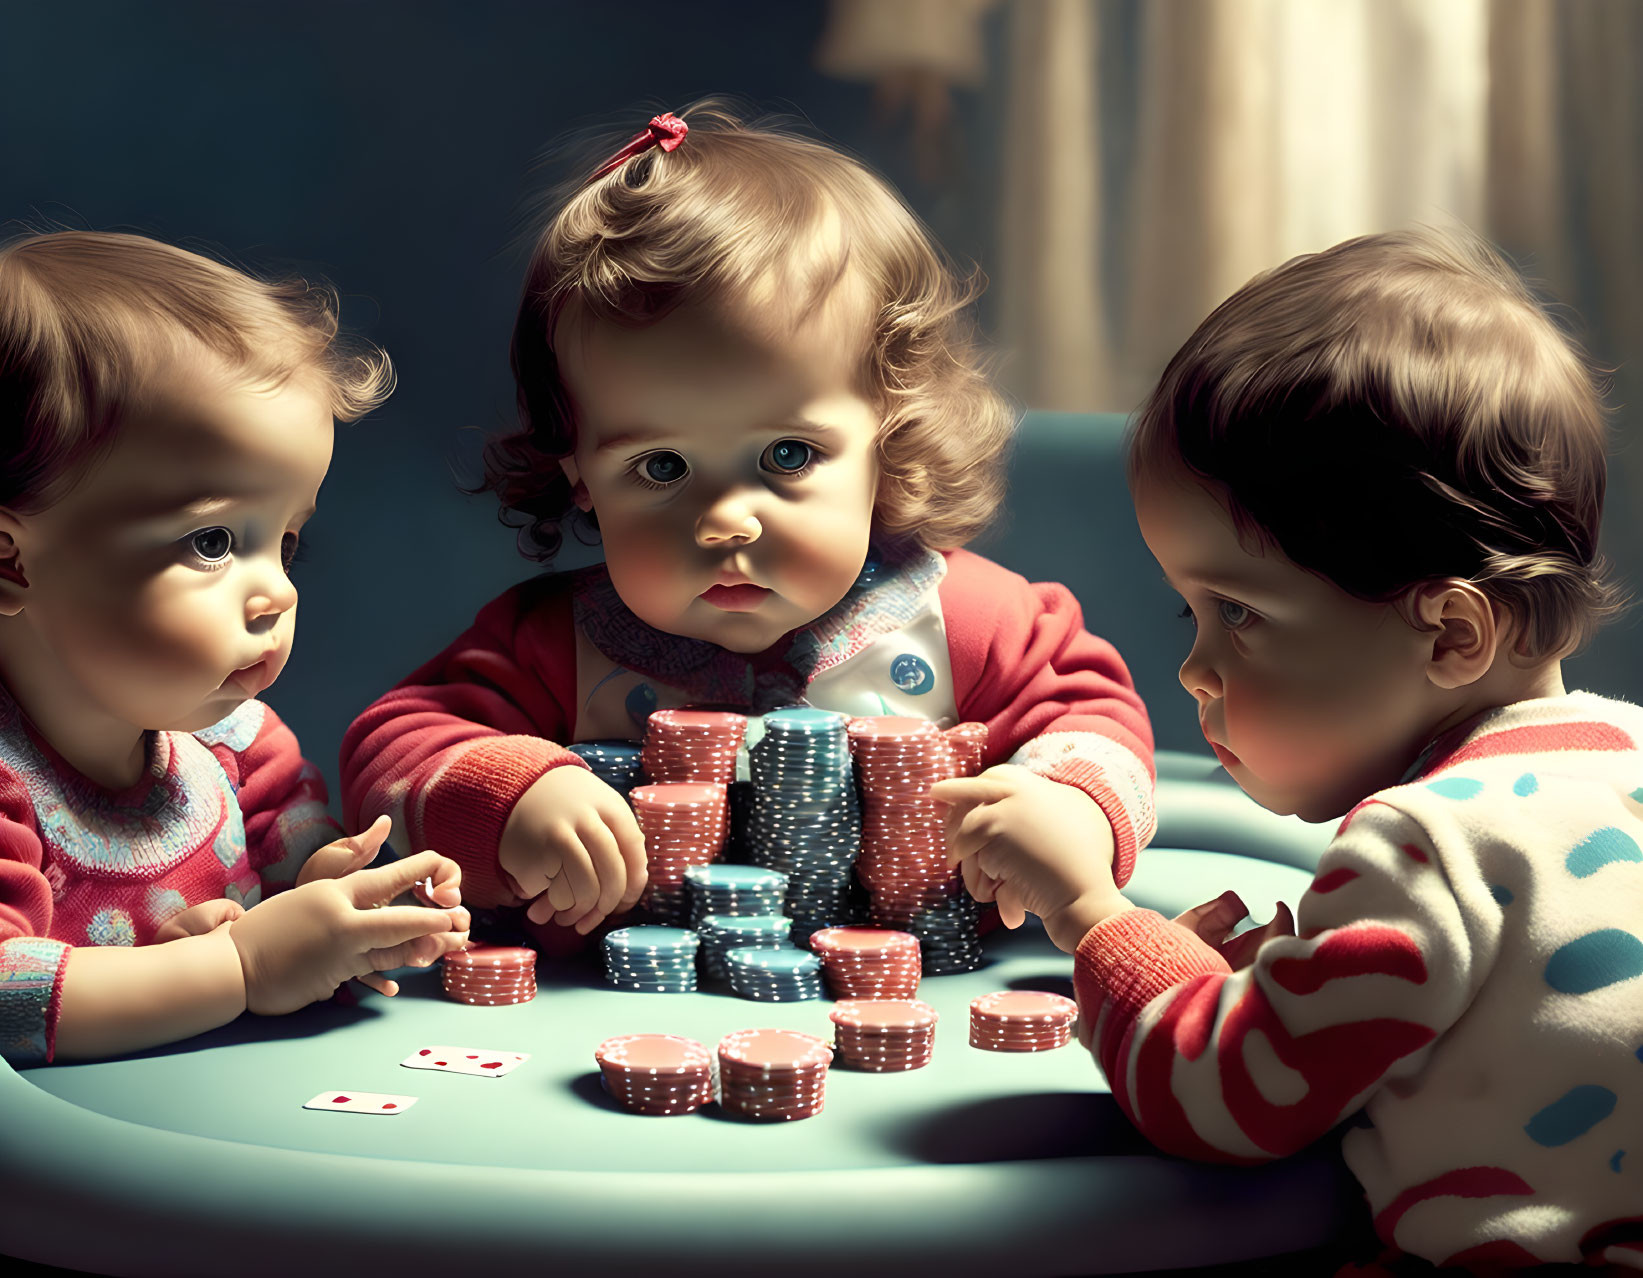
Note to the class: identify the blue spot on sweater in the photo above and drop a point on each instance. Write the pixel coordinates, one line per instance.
(1455, 787)
(1525, 785)
(1600, 848)
(1598, 959)
(1571, 1115)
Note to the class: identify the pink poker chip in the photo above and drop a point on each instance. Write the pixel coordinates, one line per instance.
(500, 957)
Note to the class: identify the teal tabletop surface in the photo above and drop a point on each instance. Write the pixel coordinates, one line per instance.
(199, 1158)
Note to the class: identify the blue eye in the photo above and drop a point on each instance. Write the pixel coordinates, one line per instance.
(789, 456)
(213, 545)
(663, 468)
(1233, 616)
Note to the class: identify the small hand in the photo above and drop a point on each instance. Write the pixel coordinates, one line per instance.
(298, 946)
(573, 848)
(198, 920)
(1213, 921)
(1033, 845)
(344, 856)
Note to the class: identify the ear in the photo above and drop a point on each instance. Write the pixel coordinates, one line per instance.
(578, 490)
(14, 582)
(1466, 634)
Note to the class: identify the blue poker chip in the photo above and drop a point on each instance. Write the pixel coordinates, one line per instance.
(776, 962)
(656, 960)
(648, 938)
(617, 763)
(777, 976)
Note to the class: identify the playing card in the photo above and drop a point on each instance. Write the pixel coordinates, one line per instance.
(349, 1102)
(480, 1062)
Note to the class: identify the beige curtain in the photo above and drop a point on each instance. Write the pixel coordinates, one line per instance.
(1264, 128)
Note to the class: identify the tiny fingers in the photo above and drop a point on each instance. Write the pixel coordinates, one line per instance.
(1011, 912)
(380, 983)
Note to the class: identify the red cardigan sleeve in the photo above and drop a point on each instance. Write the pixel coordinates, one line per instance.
(1054, 697)
(448, 752)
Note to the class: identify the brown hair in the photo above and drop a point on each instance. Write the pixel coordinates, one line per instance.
(85, 315)
(1395, 410)
(720, 216)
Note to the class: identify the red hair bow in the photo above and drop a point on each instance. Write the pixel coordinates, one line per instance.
(666, 131)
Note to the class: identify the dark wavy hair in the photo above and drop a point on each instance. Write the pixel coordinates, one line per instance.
(738, 203)
(1394, 410)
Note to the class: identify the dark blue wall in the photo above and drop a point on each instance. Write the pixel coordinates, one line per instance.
(389, 148)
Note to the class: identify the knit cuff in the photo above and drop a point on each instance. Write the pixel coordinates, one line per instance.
(465, 808)
(1130, 958)
(1096, 781)
(31, 995)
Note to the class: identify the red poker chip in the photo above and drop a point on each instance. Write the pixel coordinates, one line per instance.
(492, 957)
(661, 1054)
(490, 991)
(668, 795)
(687, 720)
(656, 1074)
(883, 1015)
(1023, 1007)
(489, 1000)
(773, 1049)
(980, 1040)
(862, 940)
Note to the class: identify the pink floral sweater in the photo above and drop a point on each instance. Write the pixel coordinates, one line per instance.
(231, 811)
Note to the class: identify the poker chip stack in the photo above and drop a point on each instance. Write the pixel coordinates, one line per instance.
(949, 935)
(806, 818)
(722, 933)
(884, 1035)
(693, 745)
(490, 975)
(904, 844)
(684, 824)
(616, 763)
(656, 1073)
(968, 742)
(868, 962)
(772, 1074)
(903, 861)
(774, 976)
(1021, 1021)
(651, 960)
(733, 889)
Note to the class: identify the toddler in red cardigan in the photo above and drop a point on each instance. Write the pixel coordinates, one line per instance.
(1375, 475)
(741, 359)
(165, 423)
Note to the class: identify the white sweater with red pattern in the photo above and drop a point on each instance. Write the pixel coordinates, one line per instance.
(1468, 974)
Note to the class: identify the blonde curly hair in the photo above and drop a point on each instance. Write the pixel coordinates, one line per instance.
(85, 315)
(735, 205)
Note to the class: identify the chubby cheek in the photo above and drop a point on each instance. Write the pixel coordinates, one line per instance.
(183, 633)
(1288, 726)
(815, 571)
(654, 570)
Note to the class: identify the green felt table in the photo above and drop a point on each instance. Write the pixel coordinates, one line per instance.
(199, 1158)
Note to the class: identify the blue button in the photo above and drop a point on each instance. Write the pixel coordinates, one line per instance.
(912, 674)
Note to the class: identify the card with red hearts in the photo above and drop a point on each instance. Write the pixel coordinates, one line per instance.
(352, 1102)
(480, 1062)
